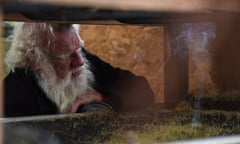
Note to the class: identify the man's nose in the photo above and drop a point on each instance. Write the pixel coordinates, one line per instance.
(77, 59)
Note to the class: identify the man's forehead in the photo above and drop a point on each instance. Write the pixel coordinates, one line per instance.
(65, 42)
(65, 35)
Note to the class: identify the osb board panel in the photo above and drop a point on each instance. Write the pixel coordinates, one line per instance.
(200, 73)
(220, 65)
(140, 49)
(135, 48)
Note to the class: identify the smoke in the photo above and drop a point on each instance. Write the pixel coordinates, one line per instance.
(193, 40)
(196, 36)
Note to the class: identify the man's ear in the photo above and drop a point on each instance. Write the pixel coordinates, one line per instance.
(26, 27)
(31, 59)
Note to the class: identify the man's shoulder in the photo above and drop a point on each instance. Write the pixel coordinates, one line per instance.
(19, 74)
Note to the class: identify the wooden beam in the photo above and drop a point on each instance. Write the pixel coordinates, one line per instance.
(19, 17)
(1, 64)
(1, 76)
(15, 17)
(121, 12)
(150, 5)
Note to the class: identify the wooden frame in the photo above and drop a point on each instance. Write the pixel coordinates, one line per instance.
(167, 11)
(152, 12)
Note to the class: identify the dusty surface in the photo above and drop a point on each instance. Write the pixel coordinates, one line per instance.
(148, 126)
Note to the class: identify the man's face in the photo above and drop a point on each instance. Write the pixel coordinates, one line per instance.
(63, 75)
(65, 54)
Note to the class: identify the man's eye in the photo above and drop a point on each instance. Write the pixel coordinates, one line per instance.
(79, 50)
(66, 56)
(63, 57)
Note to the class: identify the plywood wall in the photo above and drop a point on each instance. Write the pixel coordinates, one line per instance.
(140, 49)
(135, 48)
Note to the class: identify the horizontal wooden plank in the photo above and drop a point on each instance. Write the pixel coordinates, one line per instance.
(19, 17)
(149, 5)
(118, 12)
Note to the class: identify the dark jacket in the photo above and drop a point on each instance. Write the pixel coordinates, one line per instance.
(123, 90)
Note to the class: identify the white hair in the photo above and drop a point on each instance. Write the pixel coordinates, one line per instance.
(64, 92)
(26, 41)
(27, 38)
(27, 44)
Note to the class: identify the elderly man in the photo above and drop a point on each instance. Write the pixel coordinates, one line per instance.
(52, 73)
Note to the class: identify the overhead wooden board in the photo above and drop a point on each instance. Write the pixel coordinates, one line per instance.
(124, 11)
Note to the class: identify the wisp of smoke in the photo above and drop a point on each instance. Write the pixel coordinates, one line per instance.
(195, 36)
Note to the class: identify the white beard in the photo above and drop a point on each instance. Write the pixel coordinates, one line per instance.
(64, 92)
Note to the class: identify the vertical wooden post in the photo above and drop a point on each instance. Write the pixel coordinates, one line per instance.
(176, 67)
(1, 75)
